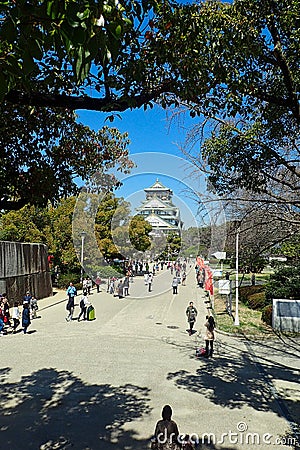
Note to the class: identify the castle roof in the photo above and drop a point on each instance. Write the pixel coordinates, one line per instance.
(157, 186)
(156, 203)
(158, 222)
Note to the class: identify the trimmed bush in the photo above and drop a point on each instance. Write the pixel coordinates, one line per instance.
(267, 314)
(246, 291)
(256, 301)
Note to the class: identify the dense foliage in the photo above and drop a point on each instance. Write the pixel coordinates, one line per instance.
(45, 151)
(284, 283)
(53, 226)
(235, 63)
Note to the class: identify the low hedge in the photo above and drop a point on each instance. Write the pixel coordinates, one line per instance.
(256, 301)
(267, 314)
(246, 291)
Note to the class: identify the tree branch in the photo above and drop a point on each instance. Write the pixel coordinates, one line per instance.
(12, 205)
(84, 102)
(283, 64)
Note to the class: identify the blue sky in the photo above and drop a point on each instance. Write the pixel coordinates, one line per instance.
(155, 149)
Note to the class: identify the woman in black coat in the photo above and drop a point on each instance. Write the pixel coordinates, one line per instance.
(25, 317)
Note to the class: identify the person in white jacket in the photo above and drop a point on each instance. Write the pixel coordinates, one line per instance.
(16, 316)
(84, 303)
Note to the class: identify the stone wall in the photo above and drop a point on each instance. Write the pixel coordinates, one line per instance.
(24, 267)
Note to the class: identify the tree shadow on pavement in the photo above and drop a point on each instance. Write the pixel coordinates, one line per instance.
(233, 380)
(51, 409)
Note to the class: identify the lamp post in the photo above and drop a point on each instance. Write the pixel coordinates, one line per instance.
(83, 234)
(236, 319)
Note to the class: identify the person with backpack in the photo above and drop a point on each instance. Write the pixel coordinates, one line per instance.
(84, 303)
(191, 313)
(209, 336)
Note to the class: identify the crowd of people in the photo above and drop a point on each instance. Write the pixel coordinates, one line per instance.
(84, 303)
(14, 313)
(11, 317)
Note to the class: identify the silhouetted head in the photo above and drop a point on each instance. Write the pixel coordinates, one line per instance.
(166, 412)
(211, 321)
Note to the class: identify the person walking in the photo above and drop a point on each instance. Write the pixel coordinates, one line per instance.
(25, 317)
(112, 286)
(98, 283)
(6, 312)
(89, 285)
(166, 434)
(27, 297)
(191, 313)
(84, 284)
(146, 276)
(16, 316)
(34, 307)
(150, 280)
(209, 336)
(120, 289)
(175, 285)
(84, 303)
(71, 293)
(126, 286)
(183, 278)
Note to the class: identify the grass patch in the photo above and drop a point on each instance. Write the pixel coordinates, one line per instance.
(250, 320)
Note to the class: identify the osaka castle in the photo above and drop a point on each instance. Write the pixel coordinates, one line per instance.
(159, 210)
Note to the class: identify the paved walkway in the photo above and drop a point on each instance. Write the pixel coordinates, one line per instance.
(102, 384)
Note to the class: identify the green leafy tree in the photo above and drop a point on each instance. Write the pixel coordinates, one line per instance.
(109, 219)
(53, 48)
(139, 230)
(45, 151)
(51, 226)
(25, 225)
(285, 282)
(235, 60)
(118, 234)
(216, 55)
(59, 235)
(244, 58)
(173, 244)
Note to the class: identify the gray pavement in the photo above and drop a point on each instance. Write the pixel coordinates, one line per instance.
(102, 384)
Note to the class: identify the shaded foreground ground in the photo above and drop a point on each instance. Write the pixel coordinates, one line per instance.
(102, 384)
